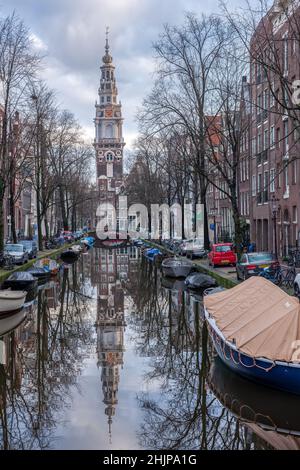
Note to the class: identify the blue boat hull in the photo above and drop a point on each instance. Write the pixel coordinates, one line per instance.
(283, 376)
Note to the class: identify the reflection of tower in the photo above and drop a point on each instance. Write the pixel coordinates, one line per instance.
(110, 325)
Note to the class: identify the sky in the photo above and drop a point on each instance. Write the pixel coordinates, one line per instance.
(71, 35)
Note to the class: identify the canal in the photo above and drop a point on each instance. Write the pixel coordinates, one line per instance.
(110, 355)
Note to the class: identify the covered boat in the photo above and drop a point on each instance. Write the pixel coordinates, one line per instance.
(200, 281)
(176, 267)
(11, 300)
(22, 280)
(255, 328)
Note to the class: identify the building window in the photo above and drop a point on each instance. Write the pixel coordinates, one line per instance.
(295, 215)
(294, 172)
(253, 185)
(266, 187)
(102, 99)
(259, 180)
(272, 136)
(278, 137)
(259, 143)
(285, 136)
(266, 139)
(108, 99)
(266, 100)
(272, 180)
(285, 54)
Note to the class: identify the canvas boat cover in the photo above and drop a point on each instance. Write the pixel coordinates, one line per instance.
(259, 318)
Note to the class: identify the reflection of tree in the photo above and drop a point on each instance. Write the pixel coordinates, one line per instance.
(44, 358)
(185, 415)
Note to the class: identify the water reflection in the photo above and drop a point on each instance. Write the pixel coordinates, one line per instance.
(111, 355)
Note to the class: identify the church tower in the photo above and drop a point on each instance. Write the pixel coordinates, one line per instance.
(109, 142)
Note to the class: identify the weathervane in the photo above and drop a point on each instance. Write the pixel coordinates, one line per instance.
(107, 33)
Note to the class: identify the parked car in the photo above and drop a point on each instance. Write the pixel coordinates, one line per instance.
(68, 236)
(18, 252)
(195, 248)
(297, 285)
(184, 245)
(222, 254)
(251, 264)
(31, 247)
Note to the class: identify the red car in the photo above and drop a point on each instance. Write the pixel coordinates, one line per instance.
(222, 254)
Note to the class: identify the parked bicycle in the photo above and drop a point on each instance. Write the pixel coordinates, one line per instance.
(6, 261)
(272, 274)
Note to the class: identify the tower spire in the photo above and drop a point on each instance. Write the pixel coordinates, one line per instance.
(107, 59)
(107, 44)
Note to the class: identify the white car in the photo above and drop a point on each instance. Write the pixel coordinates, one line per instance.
(18, 252)
(297, 285)
(193, 248)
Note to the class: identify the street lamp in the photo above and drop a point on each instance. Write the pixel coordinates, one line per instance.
(213, 212)
(275, 207)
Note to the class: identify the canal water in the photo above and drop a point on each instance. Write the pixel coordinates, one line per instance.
(110, 355)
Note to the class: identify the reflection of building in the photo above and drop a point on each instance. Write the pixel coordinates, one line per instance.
(112, 266)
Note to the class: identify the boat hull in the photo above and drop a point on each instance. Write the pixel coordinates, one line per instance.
(279, 375)
(19, 284)
(10, 304)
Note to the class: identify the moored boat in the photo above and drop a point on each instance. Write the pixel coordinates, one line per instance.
(21, 280)
(176, 267)
(11, 321)
(255, 329)
(200, 281)
(69, 256)
(11, 300)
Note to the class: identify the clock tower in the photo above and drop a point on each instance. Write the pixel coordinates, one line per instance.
(109, 142)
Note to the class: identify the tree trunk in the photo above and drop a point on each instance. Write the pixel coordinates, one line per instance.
(2, 234)
(12, 209)
(63, 209)
(238, 232)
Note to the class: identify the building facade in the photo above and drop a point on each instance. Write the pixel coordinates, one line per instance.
(275, 138)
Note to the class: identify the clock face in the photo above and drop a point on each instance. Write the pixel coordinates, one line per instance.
(108, 112)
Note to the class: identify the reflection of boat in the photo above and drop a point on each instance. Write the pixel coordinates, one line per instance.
(114, 243)
(200, 281)
(12, 321)
(77, 249)
(20, 281)
(173, 284)
(11, 300)
(151, 253)
(275, 416)
(176, 267)
(255, 328)
(48, 264)
(69, 256)
(40, 273)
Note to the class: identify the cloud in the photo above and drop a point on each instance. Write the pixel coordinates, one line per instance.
(72, 33)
